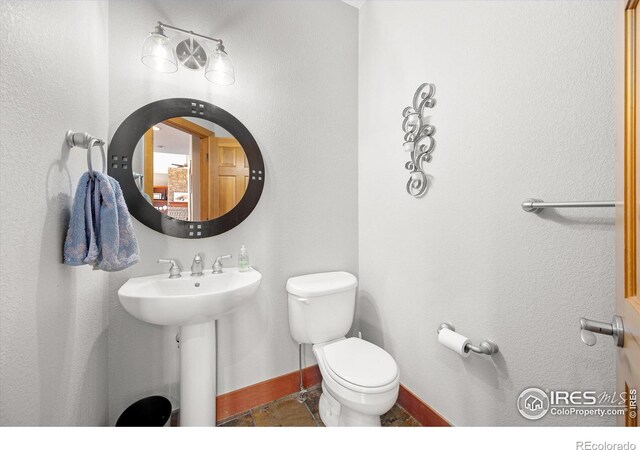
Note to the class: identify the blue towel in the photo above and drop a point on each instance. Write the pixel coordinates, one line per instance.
(100, 230)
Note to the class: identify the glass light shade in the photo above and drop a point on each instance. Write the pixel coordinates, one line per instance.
(219, 69)
(158, 53)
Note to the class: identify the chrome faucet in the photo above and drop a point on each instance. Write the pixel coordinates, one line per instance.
(174, 270)
(196, 266)
(217, 265)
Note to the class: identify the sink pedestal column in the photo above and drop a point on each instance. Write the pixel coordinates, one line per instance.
(198, 375)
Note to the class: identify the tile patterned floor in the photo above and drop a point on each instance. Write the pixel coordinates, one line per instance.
(289, 412)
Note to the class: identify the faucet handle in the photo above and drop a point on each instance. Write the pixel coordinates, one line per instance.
(217, 265)
(174, 270)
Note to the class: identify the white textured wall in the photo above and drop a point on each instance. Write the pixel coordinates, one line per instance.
(525, 108)
(53, 318)
(296, 91)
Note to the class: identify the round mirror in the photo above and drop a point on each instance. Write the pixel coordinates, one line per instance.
(190, 169)
(187, 168)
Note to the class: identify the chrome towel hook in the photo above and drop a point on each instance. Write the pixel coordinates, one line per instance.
(86, 141)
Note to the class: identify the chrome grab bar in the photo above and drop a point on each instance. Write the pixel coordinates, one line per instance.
(536, 205)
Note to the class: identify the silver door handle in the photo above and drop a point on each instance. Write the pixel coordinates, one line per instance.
(614, 329)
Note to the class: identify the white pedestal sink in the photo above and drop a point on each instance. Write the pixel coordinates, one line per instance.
(193, 304)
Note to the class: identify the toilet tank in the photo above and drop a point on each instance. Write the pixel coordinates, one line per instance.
(321, 306)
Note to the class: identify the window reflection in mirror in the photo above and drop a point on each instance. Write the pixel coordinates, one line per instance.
(190, 169)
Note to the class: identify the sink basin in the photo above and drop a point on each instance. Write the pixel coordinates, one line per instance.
(193, 304)
(187, 300)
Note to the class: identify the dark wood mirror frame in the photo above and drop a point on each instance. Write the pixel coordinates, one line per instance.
(120, 161)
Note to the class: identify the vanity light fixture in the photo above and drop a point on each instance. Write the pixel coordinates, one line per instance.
(159, 54)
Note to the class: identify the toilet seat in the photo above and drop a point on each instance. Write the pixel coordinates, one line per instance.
(360, 366)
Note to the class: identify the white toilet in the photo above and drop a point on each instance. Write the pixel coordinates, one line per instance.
(360, 381)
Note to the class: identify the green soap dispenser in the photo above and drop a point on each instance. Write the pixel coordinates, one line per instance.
(243, 259)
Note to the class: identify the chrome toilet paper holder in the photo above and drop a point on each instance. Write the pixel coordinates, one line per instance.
(486, 347)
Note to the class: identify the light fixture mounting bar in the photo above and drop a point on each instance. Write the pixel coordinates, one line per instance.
(171, 27)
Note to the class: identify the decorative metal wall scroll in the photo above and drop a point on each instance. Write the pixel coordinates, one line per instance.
(418, 138)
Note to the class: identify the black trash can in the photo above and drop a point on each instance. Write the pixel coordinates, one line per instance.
(152, 411)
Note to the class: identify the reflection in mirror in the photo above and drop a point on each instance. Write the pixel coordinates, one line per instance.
(190, 169)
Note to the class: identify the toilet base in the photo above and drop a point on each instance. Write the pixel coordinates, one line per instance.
(333, 414)
(329, 412)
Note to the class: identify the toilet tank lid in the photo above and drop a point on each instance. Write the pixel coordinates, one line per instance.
(317, 284)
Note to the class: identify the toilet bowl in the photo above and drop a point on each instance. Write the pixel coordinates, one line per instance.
(360, 381)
